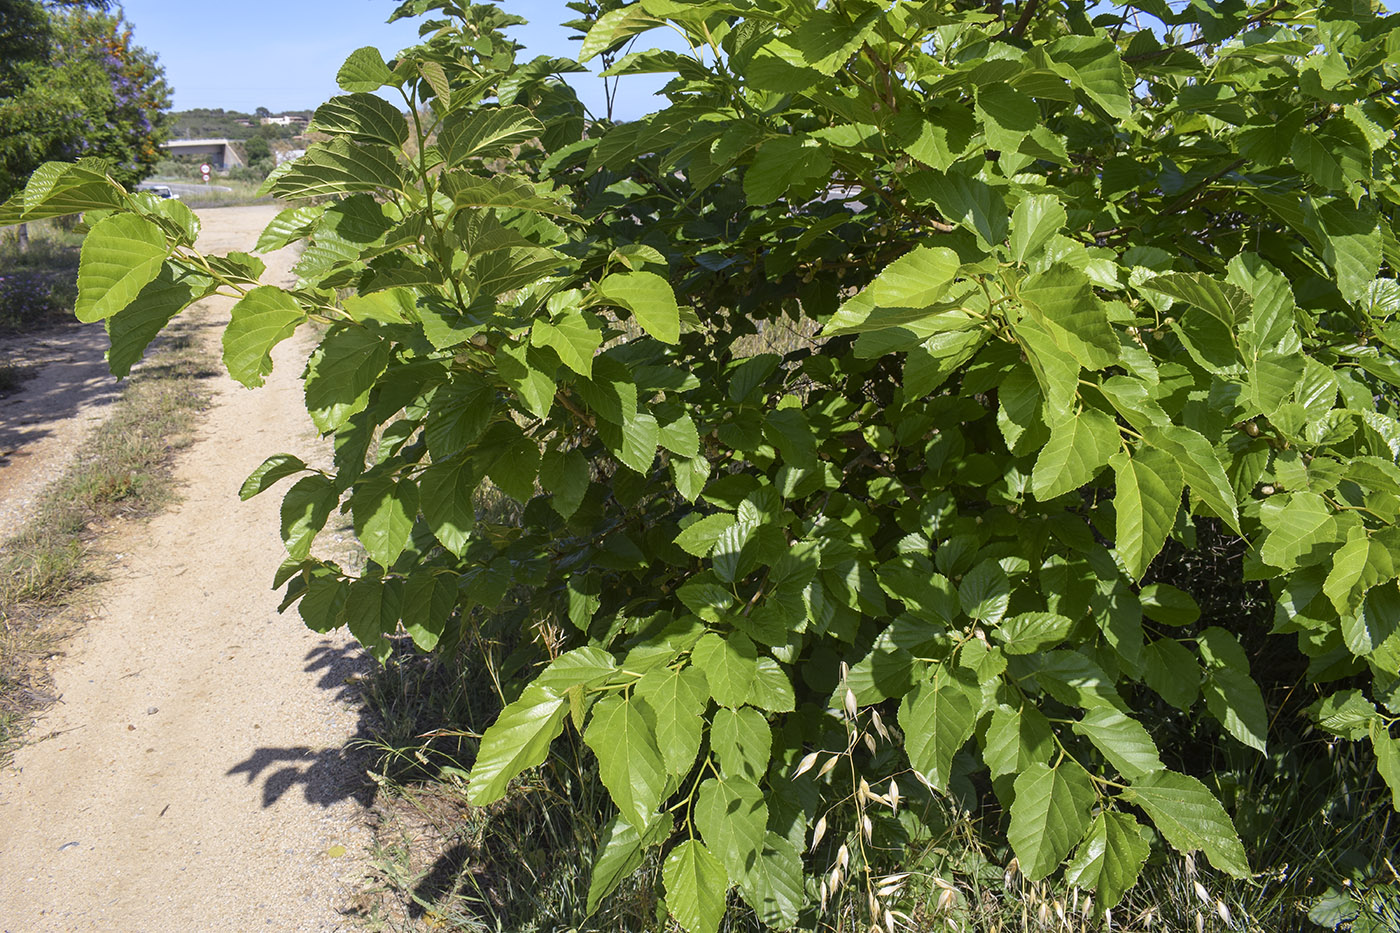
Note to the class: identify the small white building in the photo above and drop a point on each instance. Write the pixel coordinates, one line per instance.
(284, 120)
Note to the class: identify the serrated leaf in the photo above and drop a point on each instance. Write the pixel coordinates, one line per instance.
(696, 887)
(1190, 818)
(1201, 467)
(730, 664)
(274, 468)
(699, 538)
(1109, 857)
(364, 71)
(341, 372)
(1359, 564)
(1148, 488)
(619, 854)
(1029, 632)
(1017, 739)
(446, 491)
(938, 717)
(1049, 814)
(428, 601)
(771, 689)
(1122, 740)
(732, 816)
(518, 739)
(614, 27)
(486, 133)
(259, 321)
(1387, 759)
(305, 508)
(985, 593)
(650, 299)
(575, 335)
(742, 741)
(1346, 713)
(337, 167)
(1079, 447)
(678, 699)
(383, 510)
(361, 118)
(773, 885)
(1164, 603)
(629, 763)
(1234, 698)
(565, 477)
(1034, 221)
(1172, 671)
(121, 255)
(132, 329)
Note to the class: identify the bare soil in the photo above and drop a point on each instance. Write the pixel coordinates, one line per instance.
(194, 774)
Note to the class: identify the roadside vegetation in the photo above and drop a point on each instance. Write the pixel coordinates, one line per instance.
(39, 284)
(121, 473)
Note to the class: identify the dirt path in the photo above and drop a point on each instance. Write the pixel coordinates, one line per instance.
(193, 775)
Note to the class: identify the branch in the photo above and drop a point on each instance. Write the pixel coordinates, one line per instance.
(1024, 21)
(1254, 20)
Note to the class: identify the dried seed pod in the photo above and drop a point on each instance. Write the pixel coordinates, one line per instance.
(806, 764)
(818, 832)
(830, 763)
(1202, 894)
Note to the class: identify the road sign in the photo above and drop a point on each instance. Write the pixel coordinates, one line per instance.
(205, 169)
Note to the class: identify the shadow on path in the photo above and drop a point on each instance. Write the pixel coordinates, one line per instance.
(329, 775)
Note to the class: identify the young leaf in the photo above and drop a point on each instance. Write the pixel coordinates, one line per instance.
(121, 255)
(1034, 221)
(1049, 814)
(274, 468)
(629, 762)
(696, 887)
(1109, 857)
(1190, 818)
(518, 739)
(650, 299)
(677, 699)
(1148, 497)
(260, 320)
(1079, 447)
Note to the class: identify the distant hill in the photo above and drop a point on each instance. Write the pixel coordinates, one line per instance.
(203, 123)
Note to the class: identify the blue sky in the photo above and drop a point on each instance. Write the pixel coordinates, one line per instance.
(283, 54)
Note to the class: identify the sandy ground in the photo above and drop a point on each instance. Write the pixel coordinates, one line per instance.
(193, 775)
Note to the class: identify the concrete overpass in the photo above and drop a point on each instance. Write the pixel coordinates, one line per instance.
(217, 152)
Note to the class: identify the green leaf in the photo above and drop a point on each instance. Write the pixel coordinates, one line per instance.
(364, 71)
(966, 201)
(337, 167)
(1164, 603)
(699, 539)
(274, 468)
(1146, 501)
(1347, 714)
(485, 134)
(1109, 857)
(132, 329)
(732, 817)
(1030, 632)
(918, 279)
(619, 854)
(260, 320)
(771, 689)
(1190, 818)
(985, 593)
(1049, 814)
(575, 335)
(773, 885)
(614, 27)
(730, 665)
(1034, 221)
(305, 508)
(650, 299)
(1017, 739)
(1122, 740)
(1387, 759)
(1201, 467)
(341, 372)
(121, 255)
(629, 762)
(361, 118)
(1078, 449)
(565, 477)
(1227, 303)
(504, 192)
(1363, 562)
(1298, 523)
(784, 163)
(447, 490)
(696, 887)
(518, 739)
(372, 611)
(1234, 698)
(383, 510)
(1351, 239)
(428, 601)
(524, 371)
(677, 698)
(742, 741)
(938, 717)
